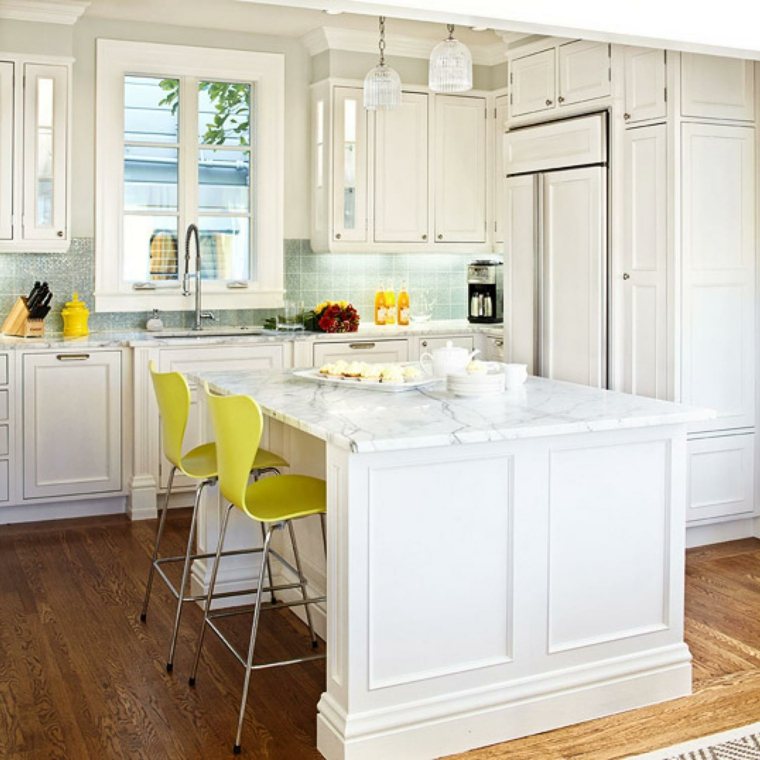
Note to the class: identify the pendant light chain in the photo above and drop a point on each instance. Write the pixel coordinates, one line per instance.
(450, 27)
(381, 44)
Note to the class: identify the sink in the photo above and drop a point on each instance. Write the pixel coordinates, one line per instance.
(220, 332)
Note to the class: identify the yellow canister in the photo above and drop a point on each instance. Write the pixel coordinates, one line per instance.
(75, 314)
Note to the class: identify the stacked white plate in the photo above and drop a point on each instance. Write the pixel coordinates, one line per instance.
(477, 383)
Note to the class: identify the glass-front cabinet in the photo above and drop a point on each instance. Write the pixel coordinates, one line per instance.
(34, 155)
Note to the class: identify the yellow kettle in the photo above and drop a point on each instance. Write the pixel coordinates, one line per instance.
(75, 314)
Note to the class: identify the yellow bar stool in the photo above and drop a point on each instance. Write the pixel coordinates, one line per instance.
(272, 502)
(200, 463)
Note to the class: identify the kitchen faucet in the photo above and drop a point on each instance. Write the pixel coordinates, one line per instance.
(192, 231)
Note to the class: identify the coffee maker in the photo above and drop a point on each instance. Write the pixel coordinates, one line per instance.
(485, 291)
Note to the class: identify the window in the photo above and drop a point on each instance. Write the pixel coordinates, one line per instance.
(188, 140)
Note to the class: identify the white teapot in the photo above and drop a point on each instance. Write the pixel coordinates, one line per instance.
(446, 360)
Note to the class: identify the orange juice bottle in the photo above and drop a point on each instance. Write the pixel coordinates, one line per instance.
(390, 307)
(403, 306)
(381, 310)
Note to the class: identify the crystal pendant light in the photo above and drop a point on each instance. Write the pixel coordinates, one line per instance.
(382, 85)
(450, 66)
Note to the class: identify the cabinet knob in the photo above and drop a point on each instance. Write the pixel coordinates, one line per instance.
(59, 233)
(424, 344)
(626, 116)
(548, 102)
(424, 237)
(337, 235)
(440, 237)
(626, 276)
(561, 99)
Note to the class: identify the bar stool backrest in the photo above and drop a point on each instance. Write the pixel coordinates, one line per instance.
(238, 424)
(173, 397)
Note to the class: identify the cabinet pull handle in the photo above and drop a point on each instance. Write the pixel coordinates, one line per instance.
(626, 116)
(626, 276)
(561, 99)
(59, 233)
(72, 357)
(361, 346)
(440, 237)
(548, 102)
(499, 344)
(337, 235)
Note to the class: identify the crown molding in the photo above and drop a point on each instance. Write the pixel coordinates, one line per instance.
(362, 41)
(44, 11)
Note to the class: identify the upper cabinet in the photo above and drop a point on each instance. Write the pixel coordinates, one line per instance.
(557, 77)
(413, 178)
(34, 155)
(645, 84)
(717, 88)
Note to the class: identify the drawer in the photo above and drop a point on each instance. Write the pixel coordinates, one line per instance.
(4, 404)
(3, 480)
(4, 440)
(461, 341)
(3, 369)
(361, 350)
(721, 477)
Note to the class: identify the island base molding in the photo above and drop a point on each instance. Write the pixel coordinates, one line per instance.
(461, 722)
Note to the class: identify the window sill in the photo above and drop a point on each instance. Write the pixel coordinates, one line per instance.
(174, 301)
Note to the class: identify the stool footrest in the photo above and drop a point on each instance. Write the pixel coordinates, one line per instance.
(248, 608)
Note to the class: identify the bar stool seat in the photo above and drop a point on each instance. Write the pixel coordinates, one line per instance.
(200, 462)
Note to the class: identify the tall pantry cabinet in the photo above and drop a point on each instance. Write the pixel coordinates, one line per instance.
(688, 287)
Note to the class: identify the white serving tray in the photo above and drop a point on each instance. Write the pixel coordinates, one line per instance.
(366, 385)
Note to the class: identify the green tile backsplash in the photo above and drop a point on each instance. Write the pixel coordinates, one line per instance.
(309, 278)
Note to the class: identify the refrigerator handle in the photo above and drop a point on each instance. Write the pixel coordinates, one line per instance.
(538, 284)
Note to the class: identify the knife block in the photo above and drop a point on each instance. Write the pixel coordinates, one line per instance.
(18, 323)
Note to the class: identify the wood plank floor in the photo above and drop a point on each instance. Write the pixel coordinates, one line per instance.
(81, 677)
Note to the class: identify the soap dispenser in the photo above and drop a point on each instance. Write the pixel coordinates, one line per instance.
(154, 324)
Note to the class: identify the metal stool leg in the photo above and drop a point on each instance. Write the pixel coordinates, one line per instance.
(324, 530)
(185, 574)
(302, 582)
(210, 594)
(252, 642)
(273, 598)
(159, 534)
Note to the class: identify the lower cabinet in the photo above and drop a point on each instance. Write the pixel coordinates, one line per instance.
(209, 358)
(721, 477)
(5, 429)
(72, 412)
(493, 349)
(430, 344)
(393, 350)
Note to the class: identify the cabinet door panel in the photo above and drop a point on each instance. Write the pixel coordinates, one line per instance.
(361, 350)
(72, 423)
(349, 165)
(645, 84)
(572, 277)
(401, 171)
(197, 360)
(6, 150)
(532, 79)
(460, 169)
(718, 234)
(584, 71)
(718, 88)
(45, 143)
(644, 291)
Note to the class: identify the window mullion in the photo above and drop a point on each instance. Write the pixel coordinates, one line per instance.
(188, 151)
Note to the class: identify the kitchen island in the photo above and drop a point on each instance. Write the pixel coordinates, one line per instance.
(496, 566)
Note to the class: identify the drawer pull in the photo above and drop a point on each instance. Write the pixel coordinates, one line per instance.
(72, 357)
(499, 344)
(361, 346)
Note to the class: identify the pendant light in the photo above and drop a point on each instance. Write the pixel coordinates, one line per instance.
(382, 85)
(450, 65)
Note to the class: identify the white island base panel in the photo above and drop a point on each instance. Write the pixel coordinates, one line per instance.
(485, 592)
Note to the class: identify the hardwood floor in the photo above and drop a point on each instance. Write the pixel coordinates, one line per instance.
(81, 677)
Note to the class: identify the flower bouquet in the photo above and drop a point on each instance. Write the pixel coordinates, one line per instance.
(335, 317)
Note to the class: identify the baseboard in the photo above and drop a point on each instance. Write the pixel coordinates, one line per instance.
(718, 532)
(63, 510)
(466, 720)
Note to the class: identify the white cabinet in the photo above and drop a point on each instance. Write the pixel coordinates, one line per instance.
(5, 429)
(717, 88)
(401, 171)
(206, 358)
(532, 80)
(460, 169)
(7, 111)
(645, 83)
(584, 72)
(720, 477)
(643, 282)
(34, 155)
(391, 350)
(718, 258)
(72, 409)
(501, 114)
(349, 165)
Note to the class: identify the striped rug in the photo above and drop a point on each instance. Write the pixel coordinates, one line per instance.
(737, 744)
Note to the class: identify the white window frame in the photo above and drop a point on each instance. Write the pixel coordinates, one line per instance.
(266, 71)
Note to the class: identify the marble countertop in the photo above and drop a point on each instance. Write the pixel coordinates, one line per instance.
(223, 334)
(367, 421)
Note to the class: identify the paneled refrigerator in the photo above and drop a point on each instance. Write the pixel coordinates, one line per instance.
(556, 249)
